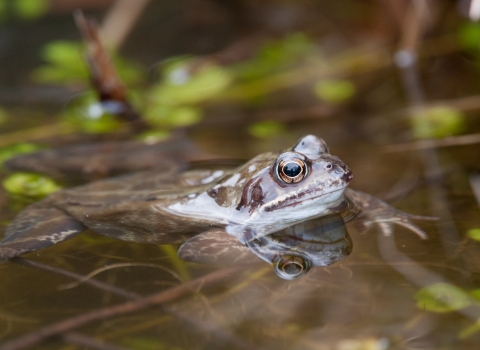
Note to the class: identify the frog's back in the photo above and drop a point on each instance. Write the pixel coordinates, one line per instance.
(122, 208)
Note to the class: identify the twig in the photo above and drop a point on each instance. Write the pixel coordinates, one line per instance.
(120, 20)
(80, 278)
(461, 140)
(42, 334)
(104, 75)
(223, 334)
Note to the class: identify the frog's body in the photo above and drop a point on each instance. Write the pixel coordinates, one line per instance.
(265, 195)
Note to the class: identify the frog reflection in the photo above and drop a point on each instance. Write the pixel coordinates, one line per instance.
(292, 251)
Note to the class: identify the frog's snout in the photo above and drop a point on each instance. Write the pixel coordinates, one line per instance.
(347, 174)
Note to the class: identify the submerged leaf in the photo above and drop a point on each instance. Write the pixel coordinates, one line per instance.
(168, 116)
(153, 136)
(30, 185)
(469, 36)
(438, 122)
(182, 87)
(93, 117)
(65, 64)
(334, 91)
(275, 56)
(266, 129)
(12, 151)
(30, 9)
(442, 297)
(474, 234)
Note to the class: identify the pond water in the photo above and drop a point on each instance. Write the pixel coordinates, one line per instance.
(395, 292)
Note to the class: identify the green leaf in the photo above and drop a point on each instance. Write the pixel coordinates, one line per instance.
(442, 297)
(167, 116)
(469, 36)
(154, 136)
(12, 151)
(30, 185)
(91, 116)
(266, 129)
(275, 56)
(437, 122)
(181, 87)
(30, 9)
(474, 234)
(65, 64)
(334, 91)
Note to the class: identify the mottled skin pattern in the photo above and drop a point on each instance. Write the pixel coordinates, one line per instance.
(174, 206)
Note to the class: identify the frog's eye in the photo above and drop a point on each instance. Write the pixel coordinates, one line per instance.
(290, 267)
(292, 170)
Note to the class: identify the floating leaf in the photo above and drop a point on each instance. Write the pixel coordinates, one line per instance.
(474, 234)
(441, 297)
(30, 185)
(475, 294)
(15, 150)
(168, 116)
(30, 9)
(274, 56)
(93, 117)
(65, 64)
(181, 87)
(469, 36)
(438, 122)
(154, 136)
(266, 129)
(335, 91)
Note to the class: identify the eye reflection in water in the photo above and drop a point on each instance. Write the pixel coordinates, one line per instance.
(294, 250)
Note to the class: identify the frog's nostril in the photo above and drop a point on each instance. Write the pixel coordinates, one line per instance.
(348, 175)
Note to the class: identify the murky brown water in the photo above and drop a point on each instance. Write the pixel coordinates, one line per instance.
(367, 301)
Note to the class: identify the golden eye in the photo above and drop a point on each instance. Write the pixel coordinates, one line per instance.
(290, 267)
(292, 170)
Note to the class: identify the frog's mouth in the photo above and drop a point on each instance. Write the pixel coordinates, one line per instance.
(301, 199)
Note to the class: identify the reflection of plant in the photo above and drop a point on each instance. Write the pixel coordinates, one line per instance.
(24, 9)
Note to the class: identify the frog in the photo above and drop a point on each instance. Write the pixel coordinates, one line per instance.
(243, 208)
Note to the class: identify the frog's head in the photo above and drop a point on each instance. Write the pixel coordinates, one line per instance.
(300, 183)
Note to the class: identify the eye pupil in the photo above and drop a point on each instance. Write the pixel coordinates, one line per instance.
(292, 169)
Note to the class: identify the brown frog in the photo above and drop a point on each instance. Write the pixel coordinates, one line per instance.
(237, 208)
